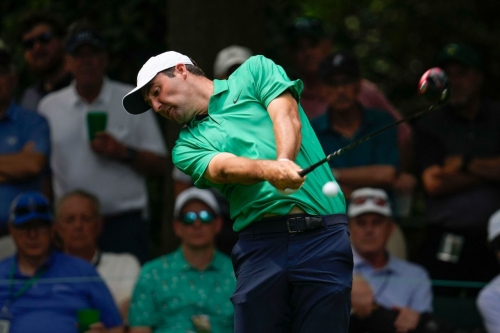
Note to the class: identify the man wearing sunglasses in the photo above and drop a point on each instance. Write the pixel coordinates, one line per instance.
(45, 289)
(41, 34)
(187, 290)
(388, 294)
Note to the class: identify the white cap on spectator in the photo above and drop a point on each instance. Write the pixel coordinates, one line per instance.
(369, 200)
(133, 101)
(194, 193)
(229, 56)
(494, 226)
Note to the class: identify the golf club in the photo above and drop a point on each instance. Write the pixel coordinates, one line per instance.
(434, 86)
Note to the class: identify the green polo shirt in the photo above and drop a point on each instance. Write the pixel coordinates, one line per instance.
(238, 123)
(170, 291)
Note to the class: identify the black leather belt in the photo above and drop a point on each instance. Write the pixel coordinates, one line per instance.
(293, 223)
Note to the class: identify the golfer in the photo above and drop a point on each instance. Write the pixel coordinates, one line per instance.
(248, 137)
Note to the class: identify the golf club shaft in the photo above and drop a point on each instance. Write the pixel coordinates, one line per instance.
(310, 168)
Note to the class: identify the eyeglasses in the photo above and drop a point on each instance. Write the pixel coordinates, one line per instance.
(25, 210)
(43, 39)
(376, 200)
(204, 216)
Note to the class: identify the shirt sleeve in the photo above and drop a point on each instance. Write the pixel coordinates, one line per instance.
(270, 80)
(143, 310)
(101, 299)
(488, 303)
(148, 134)
(422, 297)
(192, 155)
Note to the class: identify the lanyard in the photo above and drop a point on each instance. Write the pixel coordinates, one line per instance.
(27, 285)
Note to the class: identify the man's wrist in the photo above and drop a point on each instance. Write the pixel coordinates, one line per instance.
(130, 155)
(464, 166)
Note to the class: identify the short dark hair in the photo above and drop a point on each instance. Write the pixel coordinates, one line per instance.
(193, 69)
(34, 18)
(82, 194)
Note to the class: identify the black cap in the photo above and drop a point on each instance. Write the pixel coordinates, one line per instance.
(309, 27)
(82, 37)
(339, 63)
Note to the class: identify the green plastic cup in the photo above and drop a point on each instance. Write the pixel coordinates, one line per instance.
(87, 317)
(96, 122)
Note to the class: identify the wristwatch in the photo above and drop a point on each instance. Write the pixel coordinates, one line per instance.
(130, 155)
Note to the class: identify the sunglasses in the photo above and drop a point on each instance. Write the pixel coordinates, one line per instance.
(204, 216)
(43, 39)
(40, 209)
(376, 200)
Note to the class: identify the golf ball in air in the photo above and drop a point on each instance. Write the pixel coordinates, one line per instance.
(331, 189)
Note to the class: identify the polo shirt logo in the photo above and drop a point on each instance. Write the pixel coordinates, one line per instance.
(11, 140)
(237, 98)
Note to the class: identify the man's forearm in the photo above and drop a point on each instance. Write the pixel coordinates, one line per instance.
(21, 165)
(383, 176)
(286, 126)
(148, 163)
(486, 168)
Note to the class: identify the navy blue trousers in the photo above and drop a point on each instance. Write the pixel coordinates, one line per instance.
(297, 283)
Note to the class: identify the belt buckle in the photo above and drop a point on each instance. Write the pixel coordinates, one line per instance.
(288, 225)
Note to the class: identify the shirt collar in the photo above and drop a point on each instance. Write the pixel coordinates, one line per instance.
(220, 86)
(360, 263)
(104, 95)
(216, 263)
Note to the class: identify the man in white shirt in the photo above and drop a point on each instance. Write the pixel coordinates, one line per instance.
(112, 165)
(78, 224)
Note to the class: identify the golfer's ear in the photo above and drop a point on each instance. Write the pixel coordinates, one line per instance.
(181, 70)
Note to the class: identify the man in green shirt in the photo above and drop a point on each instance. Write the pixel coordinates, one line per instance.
(187, 290)
(248, 137)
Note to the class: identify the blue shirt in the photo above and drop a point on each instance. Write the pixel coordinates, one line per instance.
(398, 284)
(51, 304)
(381, 149)
(17, 127)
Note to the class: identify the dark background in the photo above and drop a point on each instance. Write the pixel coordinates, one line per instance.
(396, 41)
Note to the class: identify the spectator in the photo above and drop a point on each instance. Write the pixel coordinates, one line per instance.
(385, 286)
(459, 158)
(374, 163)
(488, 301)
(308, 45)
(46, 289)
(187, 290)
(41, 34)
(229, 59)
(78, 225)
(114, 165)
(24, 147)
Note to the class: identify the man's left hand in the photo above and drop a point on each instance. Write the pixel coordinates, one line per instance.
(407, 320)
(106, 145)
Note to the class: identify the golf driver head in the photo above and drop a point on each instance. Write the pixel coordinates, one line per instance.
(435, 87)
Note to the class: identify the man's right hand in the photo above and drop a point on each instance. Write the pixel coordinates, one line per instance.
(284, 174)
(362, 302)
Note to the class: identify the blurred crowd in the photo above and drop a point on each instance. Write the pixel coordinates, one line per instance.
(74, 214)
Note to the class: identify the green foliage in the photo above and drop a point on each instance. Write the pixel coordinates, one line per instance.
(396, 40)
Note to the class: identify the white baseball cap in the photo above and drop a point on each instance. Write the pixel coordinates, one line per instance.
(369, 200)
(133, 102)
(229, 56)
(194, 193)
(494, 226)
